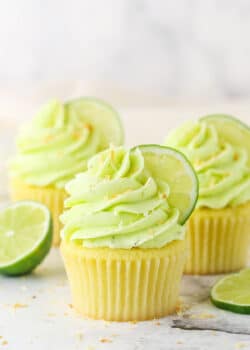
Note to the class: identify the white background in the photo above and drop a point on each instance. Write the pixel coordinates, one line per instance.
(146, 50)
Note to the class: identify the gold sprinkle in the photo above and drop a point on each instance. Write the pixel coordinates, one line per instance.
(88, 127)
(179, 342)
(236, 156)
(4, 342)
(197, 162)
(70, 306)
(76, 135)
(48, 138)
(112, 154)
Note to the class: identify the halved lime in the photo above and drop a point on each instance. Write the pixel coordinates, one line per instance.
(167, 164)
(25, 236)
(233, 292)
(230, 129)
(102, 116)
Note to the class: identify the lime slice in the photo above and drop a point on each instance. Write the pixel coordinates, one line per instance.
(167, 164)
(102, 116)
(25, 237)
(231, 130)
(233, 292)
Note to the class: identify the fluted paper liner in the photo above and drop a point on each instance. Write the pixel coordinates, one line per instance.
(52, 197)
(218, 240)
(124, 284)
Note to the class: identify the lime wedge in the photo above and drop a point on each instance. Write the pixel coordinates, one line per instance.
(233, 292)
(25, 237)
(102, 116)
(167, 164)
(230, 130)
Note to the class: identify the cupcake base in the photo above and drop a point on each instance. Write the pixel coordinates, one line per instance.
(218, 240)
(52, 197)
(122, 284)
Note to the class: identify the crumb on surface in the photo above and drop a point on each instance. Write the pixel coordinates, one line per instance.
(70, 306)
(179, 342)
(51, 314)
(202, 316)
(4, 342)
(105, 340)
(157, 323)
(133, 322)
(19, 306)
(213, 332)
(182, 307)
(79, 336)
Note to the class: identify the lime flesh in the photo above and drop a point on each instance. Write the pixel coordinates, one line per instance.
(233, 292)
(25, 237)
(167, 164)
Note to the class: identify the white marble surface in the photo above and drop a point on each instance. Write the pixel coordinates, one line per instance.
(144, 47)
(35, 313)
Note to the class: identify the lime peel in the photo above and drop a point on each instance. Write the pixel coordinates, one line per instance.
(178, 173)
(232, 292)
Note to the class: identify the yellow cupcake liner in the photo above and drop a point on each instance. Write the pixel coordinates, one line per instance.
(52, 197)
(124, 284)
(218, 240)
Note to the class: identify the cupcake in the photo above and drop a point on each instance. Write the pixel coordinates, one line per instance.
(218, 232)
(55, 146)
(123, 236)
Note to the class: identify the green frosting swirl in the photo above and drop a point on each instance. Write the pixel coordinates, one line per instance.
(54, 147)
(117, 204)
(222, 169)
